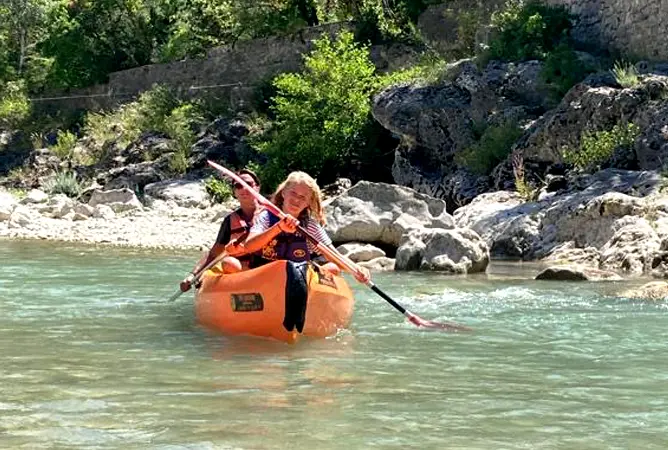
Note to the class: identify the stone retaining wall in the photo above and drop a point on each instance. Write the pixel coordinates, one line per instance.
(631, 28)
(229, 73)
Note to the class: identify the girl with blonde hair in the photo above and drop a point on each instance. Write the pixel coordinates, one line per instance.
(273, 238)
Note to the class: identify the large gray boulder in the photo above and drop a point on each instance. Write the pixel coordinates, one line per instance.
(35, 196)
(591, 221)
(613, 220)
(188, 194)
(505, 221)
(437, 118)
(57, 206)
(632, 247)
(7, 204)
(576, 273)
(655, 290)
(382, 213)
(358, 252)
(119, 200)
(459, 250)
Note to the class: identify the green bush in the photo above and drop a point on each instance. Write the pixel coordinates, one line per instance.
(64, 147)
(128, 122)
(155, 110)
(493, 147)
(179, 126)
(597, 147)
(64, 183)
(322, 114)
(178, 161)
(218, 190)
(18, 193)
(14, 104)
(429, 70)
(528, 29)
(625, 74)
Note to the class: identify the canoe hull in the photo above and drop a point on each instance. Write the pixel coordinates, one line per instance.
(253, 303)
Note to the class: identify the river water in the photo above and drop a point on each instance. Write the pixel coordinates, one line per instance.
(93, 356)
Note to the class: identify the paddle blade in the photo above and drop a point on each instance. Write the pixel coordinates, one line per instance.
(430, 324)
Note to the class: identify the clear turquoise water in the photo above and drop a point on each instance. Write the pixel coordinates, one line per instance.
(92, 356)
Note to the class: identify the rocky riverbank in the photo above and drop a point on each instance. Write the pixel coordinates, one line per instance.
(116, 218)
(602, 227)
(613, 220)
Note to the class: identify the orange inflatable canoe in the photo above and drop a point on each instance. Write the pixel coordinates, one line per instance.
(280, 300)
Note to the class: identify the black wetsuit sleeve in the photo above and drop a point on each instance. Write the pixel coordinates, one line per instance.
(225, 232)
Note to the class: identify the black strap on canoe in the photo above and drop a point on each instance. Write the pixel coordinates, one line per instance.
(296, 295)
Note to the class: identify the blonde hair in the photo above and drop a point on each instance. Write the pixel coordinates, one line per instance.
(314, 209)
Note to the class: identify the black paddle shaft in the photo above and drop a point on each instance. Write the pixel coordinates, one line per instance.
(370, 283)
(387, 298)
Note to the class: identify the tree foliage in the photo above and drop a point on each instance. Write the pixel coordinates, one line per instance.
(23, 26)
(323, 123)
(76, 43)
(90, 39)
(528, 29)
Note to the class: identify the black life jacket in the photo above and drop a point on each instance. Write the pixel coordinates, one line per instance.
(290, 246)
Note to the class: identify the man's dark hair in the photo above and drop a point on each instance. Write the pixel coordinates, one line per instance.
(252, 174)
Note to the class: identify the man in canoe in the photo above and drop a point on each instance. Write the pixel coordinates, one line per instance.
(272, 238)
(235, 227)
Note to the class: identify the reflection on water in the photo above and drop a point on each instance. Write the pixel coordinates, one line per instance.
(93, 357)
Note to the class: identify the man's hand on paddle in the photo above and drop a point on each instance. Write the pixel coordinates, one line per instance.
(235, 248)
(187, 283)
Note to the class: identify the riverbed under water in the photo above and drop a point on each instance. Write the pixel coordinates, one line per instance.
(93, 356)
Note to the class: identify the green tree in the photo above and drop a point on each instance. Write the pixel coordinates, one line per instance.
(14, 104)
(323, 113)
(23, 25)
(257, 19)
(528, 29)
(190, 27)
(90, 39)
(6, 70)
(307, 11)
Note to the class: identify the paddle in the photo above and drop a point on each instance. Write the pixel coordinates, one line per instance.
(199, 273)
(332, 254)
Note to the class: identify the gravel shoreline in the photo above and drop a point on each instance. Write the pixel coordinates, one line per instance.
(175, 228)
